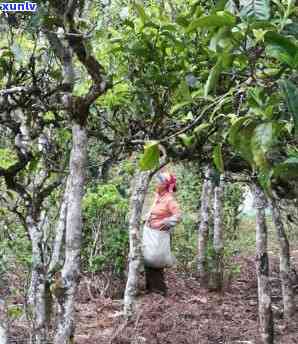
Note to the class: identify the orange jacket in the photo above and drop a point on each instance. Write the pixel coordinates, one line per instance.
(165, 211)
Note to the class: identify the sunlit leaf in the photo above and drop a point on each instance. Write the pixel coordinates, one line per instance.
(264, 137)
(231, 7)
(240, 137)
(150, 158)
(255, 9)
(201, 128)
(141, 12)
(179, 106)
(186, 140)
(213, 78)
(217, 158)
(7, 158)
(220, 35)
(219, 19)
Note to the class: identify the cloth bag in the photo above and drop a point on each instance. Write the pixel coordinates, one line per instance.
(157, 248)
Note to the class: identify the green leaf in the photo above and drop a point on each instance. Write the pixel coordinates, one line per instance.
(255, 9)
(231, 7)
(201, 128)
(220, 5)
(243, 143)
(187, 141)
(281, 48)
(141, 12)
(217, 158)
(183, 92)
(213, 77)
(259, 34)
(256, 97)
(264, 137)
(291, 94)
(183, 21)
(240, 137)
(287, 169)
(291, 29)
(221, 35)
(150, 159)
(151, 24)
(236, 126)
(49, 116)
(218, 19)
(10, 194)
(169, 27)
(226, 58)
(33, 165)
(7, 158)
(179, 106)
(186, 118)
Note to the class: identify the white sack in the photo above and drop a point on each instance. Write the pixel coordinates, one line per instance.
(157, 248)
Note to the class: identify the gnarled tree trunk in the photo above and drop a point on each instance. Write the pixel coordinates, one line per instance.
(203, 231)
(262, 268)
(284, 262)
(141, 182)
(218, 245)
(65, 287)
(36, 299)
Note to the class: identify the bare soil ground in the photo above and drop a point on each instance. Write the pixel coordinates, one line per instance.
(188, 315)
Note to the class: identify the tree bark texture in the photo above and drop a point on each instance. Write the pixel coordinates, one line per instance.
(66, 285)
(36, 297)
(284, 262)
(203, 231)
(218, 245)
(141, 182)
(33, 221)
(262, 268)
(56, 259)
(3, 323)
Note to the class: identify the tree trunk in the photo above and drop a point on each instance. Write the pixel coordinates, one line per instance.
(218, 245)
(56, 259)
(203, 231)
(262, 268)
(3, 323)
(141, 182)
(36, 298)
(284, 262)
(66, 285)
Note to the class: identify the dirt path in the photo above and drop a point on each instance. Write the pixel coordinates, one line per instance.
(188, 315)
